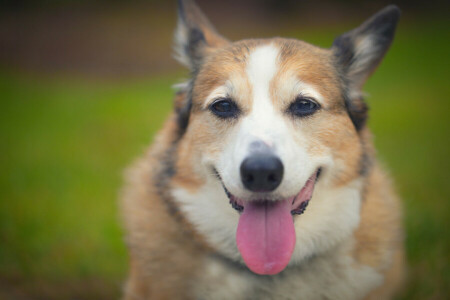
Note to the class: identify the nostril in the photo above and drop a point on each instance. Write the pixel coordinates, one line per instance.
(249, 178)
(272, 178)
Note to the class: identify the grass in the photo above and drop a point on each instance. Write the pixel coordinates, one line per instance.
(65, 141)
(64, 145)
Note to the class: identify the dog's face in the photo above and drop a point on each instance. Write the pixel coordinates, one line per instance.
(267, 110)
(263, 122)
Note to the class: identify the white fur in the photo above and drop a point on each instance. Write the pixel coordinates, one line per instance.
(335, 276)
(270, 125)
(219, 92)
(181, 39)
(292, 86)
(330, 218)
(332, 214)
(328, 221)
(308, 90)
(366, 53)
(262, 124)
(181, 86)
(210, 212)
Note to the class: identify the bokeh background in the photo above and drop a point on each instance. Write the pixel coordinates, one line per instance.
(84, 86)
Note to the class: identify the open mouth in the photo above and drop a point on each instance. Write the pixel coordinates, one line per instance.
(298, 203)
(265, 234)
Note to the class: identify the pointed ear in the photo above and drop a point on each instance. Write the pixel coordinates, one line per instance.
(195, 35)
(358, 52)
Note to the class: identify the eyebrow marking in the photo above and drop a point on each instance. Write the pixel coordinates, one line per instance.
(308, 90)
(219, 92)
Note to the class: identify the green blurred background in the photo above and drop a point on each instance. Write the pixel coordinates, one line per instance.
(84, 86)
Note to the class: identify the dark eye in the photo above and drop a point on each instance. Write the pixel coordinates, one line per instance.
(224, 108)
(302, 107)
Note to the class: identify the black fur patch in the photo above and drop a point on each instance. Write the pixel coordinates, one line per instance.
(365, 162)
(344, 51)
(183, 115)
(162, 178)
(358, 110)
(184, 111)
(194, 47)
(383, 23)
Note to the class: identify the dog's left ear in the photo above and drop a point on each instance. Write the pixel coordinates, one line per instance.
(194, 36)
(360, 51)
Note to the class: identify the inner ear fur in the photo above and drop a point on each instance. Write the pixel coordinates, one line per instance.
(194, 35)
(358, 53)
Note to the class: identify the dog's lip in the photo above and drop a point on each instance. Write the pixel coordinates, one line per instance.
(298, 207)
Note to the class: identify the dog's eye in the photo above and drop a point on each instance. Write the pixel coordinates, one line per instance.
(224, 108)
(302, 107)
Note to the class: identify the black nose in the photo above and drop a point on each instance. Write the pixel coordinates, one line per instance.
(262, 173)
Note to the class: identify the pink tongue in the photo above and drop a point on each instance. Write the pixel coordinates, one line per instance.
(266, 235)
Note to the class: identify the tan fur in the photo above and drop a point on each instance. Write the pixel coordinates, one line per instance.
(381, 247)
(172, 241)
(169, 256)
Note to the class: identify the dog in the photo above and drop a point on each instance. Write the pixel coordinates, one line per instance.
(263, 182)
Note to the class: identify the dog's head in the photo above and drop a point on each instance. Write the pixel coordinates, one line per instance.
(262, 121)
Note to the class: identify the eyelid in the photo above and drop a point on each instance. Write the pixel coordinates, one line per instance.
(301, 98)
(220, 99)
(307, 98)
(228, 99)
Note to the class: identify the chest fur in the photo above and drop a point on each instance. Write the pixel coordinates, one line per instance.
(331, 276)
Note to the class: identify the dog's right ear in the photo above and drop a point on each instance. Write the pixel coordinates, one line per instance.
(194, 36)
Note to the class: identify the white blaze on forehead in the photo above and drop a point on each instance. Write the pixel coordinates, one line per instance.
(261, 69)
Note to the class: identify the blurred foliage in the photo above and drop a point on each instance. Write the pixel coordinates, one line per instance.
(65, 142)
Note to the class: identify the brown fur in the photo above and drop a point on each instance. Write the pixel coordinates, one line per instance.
(172, 241)
(169, 258)
(167, 265)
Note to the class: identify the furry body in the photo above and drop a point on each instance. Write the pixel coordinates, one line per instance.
(181, 229)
